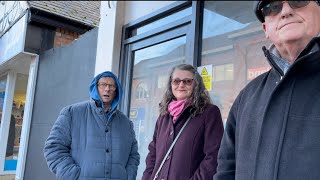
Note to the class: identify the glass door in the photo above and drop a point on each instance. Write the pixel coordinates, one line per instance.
(151, 47)
(151, 70)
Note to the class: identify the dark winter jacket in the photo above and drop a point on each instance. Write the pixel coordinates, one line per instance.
(194, 155)
(86, 143)
(273, 129)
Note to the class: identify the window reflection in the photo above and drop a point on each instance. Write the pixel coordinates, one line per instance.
(231, 43)
(141, 92)
(223, 72)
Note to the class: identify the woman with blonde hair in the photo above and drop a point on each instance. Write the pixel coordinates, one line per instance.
(188, 131)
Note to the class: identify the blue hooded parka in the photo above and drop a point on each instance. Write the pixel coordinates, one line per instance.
(88, 143)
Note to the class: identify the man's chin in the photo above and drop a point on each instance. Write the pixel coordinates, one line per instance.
(106, 101)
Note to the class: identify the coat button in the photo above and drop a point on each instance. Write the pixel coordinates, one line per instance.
(107, 151)
(107, 130)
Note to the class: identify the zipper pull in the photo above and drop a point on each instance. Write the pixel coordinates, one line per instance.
(279, 80)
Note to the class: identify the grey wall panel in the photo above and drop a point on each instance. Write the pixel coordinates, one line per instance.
(39, 38)
(64, 76)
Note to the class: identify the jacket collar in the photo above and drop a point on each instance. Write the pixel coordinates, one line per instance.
(280, 64)
(279, 61)
(97, 106)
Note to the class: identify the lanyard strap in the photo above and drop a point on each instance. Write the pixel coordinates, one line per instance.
(171, 147)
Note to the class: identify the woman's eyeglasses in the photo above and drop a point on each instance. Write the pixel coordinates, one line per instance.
(275, 7)
(186, 81)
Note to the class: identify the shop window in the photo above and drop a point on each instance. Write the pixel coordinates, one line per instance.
(13, 89)
(16, 120)
(232, 39)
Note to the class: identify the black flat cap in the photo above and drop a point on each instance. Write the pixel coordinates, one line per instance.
(257, 6)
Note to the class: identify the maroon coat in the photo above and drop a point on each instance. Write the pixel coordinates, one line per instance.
(194, 155)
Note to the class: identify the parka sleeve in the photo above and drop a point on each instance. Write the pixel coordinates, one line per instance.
(151, 157)
(57, 149)
(226, 156)
(134, 157)
(213, 132)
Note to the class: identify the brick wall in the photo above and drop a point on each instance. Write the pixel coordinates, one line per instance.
(64, 37)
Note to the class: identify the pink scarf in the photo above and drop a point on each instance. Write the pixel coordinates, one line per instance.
(175, 108)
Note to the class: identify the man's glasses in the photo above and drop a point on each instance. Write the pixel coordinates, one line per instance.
(275, 7)
(187, 82)
(111, 87)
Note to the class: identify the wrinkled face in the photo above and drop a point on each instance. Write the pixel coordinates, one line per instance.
(296, 26)
(107, 89)
(182, 84)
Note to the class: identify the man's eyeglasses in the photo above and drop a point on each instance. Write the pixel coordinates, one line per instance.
(187, 82)
(111, 87)
(275, 7)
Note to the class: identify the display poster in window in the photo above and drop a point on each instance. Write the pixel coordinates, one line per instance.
(206, 74)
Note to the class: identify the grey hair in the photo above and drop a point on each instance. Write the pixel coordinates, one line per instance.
(199, 97)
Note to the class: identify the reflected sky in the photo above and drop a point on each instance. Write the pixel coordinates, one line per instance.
(215, 24)
(165, 20)
(158, 50)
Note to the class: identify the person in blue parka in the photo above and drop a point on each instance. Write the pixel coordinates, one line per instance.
(92, 140)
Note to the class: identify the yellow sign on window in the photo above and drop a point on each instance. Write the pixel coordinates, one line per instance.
(206, 74)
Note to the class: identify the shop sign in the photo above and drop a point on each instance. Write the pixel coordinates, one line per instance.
(12, 42)
(255, 72)
(206, 74)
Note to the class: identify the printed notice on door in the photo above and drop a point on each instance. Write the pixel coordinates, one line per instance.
(206, 74)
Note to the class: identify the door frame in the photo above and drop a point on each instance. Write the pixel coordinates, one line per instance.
(188, 26)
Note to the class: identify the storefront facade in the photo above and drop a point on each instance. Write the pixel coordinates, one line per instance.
(17, 79)
(223, 36)
(31, 55)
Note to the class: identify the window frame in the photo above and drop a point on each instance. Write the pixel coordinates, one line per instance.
(11, 77)
(172, 30)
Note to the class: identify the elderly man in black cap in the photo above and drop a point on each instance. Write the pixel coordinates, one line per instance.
(273, 129)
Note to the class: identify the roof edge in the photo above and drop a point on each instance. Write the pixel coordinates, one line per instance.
(54, 20)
